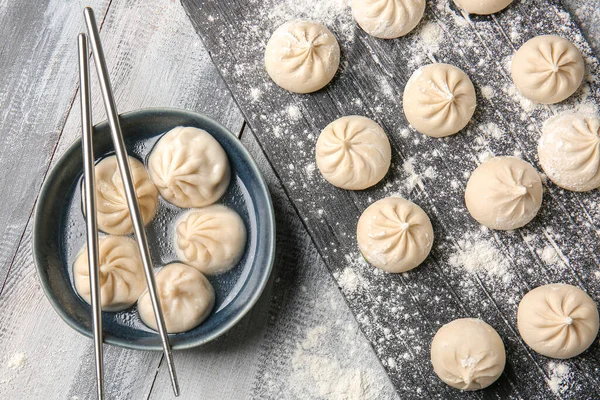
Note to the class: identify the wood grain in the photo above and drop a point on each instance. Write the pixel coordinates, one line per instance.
(399, 314)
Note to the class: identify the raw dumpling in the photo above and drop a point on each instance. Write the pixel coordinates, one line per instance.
(122, 277)
(186, 297)
(557, 320)
(111, 203)
(353, 153)
(547, 69)
(483, 7)
(388, 19)
(302, 56)
(189, 167)
(439, 100)
(569, 153)
(504, 193)
(468, 354)
(394, 234)
(210, 239)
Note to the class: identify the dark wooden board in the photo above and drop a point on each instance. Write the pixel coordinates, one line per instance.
(399, 314)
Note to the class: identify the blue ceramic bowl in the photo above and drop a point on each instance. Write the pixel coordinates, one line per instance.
(59, 233)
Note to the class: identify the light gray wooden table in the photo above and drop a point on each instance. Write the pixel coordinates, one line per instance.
(299, 342)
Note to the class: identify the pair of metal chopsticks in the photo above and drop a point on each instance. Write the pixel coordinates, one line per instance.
(90, 199)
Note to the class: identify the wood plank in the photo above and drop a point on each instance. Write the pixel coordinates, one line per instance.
(266, 356)
(38, 46)
(155, 59)
(399, 314)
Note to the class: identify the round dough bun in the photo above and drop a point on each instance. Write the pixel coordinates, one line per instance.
(569, 151)
(353, 153)
(122, 277)
(186, 297)
(439, 100)
(547, 69)
(483, 7)
(111, 203)
(504, 193)
(394, 234)
(388, 19)
(302, 56)
(211, 239)
(558, 320)
(468, 354)
(189, 167)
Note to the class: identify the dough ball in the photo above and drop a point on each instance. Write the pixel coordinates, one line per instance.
(569, 151)
(547, 69)
(557, 320)
(302, 56)
(122, 277)
(483, 7)
(388, 19)
(111, 203)
(353, 153)
(394, 234)
(210, 239)
(468, 354)
(189, 167)
(504, 193)
(186, 297)
(439, 100)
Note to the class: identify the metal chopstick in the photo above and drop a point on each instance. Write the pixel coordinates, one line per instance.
(134, 210)
(90, 206)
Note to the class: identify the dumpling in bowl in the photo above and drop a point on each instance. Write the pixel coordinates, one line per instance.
(122, 277)
(111, 202)
(189, 167)
(210, 239)
(186, 297)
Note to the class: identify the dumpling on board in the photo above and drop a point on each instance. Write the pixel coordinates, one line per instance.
(388, 19)
(189, 167)
(302, 56)
(394, 234)
(122, 277)
(353, 153)
(439, 100)
(211, 239)
(186, 297)
(569, 151)
(547, 69)
(111, 203)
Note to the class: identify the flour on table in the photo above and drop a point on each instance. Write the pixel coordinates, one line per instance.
(549, 255)
(560, 377)
(488, 92)
(492, 129)
(17, 361)
(476, 254)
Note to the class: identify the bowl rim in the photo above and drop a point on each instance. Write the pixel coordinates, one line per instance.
(270, 223)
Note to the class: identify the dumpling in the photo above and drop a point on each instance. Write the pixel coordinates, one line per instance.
(388, 19)
(504, 193)
(302, 56)
(189, 167)
(394, 234)
(122, 277)
(483, 7)
(468, 354)
(558, 320)
(547, 69)
(186, 297)
(353, 153)
(439, 100)
(569, 153)
(210, 239)
(111, 203)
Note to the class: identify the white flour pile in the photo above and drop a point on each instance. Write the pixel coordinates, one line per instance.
(476, 254)
(559, 377)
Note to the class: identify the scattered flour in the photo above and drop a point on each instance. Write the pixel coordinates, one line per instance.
(560, 377)
(484, 156)
(293, 112)
(549, 255)
(255, 94)
(17, 361)
(431, 36)
(488, 92)
(492, 129)
(349, 280)
(476, 254)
